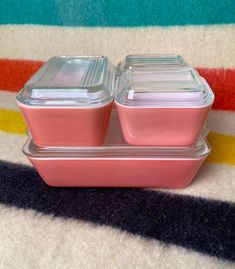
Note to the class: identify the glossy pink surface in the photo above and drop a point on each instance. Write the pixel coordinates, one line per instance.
(117, 172)
(114, 164)
(67, 126)
(161, 126)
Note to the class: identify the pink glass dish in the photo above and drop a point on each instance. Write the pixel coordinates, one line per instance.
(117, 164)
(68, 101)
(161, 104)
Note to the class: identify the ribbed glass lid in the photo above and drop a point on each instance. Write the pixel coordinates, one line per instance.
(156, 87)
(70, 80)
(149, 61)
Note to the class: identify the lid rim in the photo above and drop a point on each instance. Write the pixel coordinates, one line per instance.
(166, 104)
(205, 150)
(104, 102)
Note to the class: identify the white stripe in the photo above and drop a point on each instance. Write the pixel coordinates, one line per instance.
(8, 100)
(29, 239)
(201, 46)
(222, 121)
(215, 181)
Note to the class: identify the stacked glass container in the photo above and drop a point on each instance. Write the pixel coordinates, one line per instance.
(137, 125)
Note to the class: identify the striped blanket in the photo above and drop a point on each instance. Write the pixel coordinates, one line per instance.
(44, 227)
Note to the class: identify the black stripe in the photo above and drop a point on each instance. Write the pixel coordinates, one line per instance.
(203, 225)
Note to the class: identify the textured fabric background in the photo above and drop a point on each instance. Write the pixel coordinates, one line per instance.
(43, 227)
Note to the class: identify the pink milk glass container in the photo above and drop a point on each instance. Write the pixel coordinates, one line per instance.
(118, 164)
(68, 101)
(161, 101)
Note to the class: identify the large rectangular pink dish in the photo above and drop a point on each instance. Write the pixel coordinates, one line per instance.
(117, 164)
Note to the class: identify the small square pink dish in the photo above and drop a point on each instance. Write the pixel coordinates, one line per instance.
(117, 164)
(69, 100)
(161, 102)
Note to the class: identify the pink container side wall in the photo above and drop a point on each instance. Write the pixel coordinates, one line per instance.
(162, 126)
(117, 173)
(67, 126)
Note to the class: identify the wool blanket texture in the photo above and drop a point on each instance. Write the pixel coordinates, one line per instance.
(45, 227)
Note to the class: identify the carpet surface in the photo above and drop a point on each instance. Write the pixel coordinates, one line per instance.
(44, 227)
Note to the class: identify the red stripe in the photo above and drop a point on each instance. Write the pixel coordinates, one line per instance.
(222, 82)
(14, 74)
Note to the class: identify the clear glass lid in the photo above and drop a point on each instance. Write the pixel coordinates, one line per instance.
(149, 61)
(70, 80)
(116, 147)
(162, 87)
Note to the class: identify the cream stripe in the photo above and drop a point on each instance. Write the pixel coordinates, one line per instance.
(214, 181)
(29, 239)
(11, 148)
(202, 46)
(222, 121)
(8, 100)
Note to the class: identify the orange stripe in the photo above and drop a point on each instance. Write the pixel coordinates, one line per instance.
(14, 74)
